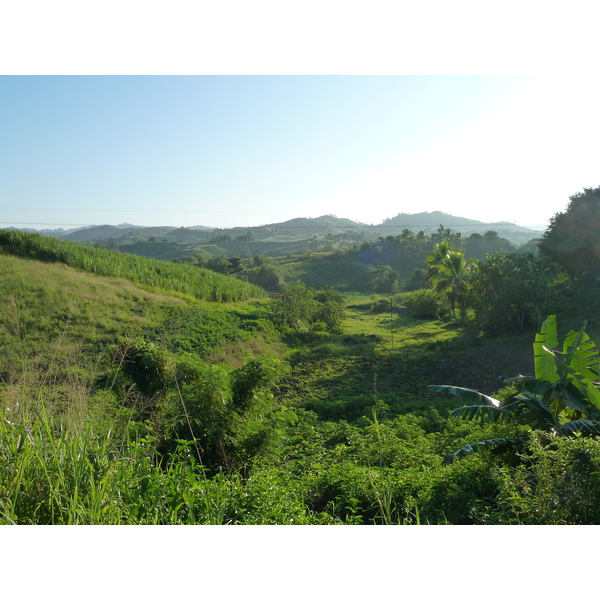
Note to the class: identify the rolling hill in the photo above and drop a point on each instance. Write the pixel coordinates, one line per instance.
(298, 229)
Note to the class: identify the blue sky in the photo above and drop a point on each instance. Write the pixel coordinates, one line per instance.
(225, 151)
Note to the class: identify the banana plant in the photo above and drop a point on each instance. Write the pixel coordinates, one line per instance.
(562, 398)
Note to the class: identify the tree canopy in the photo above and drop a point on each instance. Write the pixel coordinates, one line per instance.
(573, 238)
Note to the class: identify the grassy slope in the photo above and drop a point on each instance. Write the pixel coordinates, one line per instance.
(51, 310)
(42, 299)
(154, 274)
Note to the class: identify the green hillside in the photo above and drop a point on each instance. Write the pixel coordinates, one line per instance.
(179, 278)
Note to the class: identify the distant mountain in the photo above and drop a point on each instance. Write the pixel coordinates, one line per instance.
(328, 222)
(426, 219)
(128, 226)
(437, 218)
(430, 222)
(302, 228)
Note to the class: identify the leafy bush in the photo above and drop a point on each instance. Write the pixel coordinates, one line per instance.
(230, 416)
(465, 493)
(424, 304)
(558, 483)
(300, 307)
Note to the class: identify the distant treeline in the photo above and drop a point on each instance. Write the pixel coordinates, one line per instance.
(386, 265)
(409, 250)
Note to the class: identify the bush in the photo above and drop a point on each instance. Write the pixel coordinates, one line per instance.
(558, 483)
(300, 307)
(424, 304)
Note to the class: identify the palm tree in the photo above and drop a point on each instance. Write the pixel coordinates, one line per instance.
(448, 272)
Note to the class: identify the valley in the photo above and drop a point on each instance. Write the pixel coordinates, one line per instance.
(282, 384)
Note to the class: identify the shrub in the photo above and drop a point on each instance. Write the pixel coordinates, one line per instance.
(424, 304)
(558, 483)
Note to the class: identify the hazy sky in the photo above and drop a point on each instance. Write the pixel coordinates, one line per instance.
(226, 151)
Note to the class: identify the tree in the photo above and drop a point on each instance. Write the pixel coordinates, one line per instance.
(332, 309)
(384, 280)
(573, 238)
(479, 246)
(561, 399)
(448, 273)
(299, 308)
(267, 277)
(508, 291)
(295, 307)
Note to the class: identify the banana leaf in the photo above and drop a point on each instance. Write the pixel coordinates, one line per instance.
(589, 390)
(581, 354)
(557, 395)
(480, 411)
(547, 338)
(581, 426)
(465, 394)
(530, 384)
(531, 410)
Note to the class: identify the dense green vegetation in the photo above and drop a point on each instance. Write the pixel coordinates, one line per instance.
(130, 397)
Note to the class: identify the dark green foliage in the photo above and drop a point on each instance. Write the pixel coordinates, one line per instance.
(417, 281)
(147, 365)
(424, 304)
(478, 246)
(384, 280)
(464, 493)
(267, 277)
(232, 417)
(408, 251)
(255, 377)
(404, 252)
(508, 292)
(331, 309)
(449, 275)
(573, 238)
(505, 443)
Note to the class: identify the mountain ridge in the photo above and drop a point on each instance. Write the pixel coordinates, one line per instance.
(423, 220)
